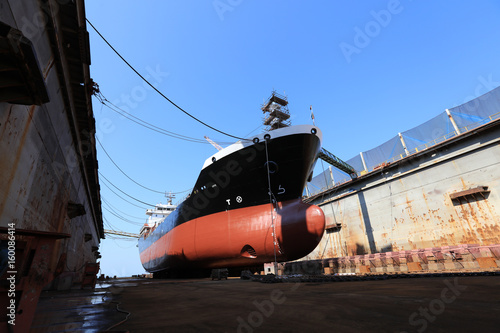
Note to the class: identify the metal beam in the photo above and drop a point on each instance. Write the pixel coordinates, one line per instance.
(121, 233)
(328, 157)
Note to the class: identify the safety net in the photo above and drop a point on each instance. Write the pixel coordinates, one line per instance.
(446, 125)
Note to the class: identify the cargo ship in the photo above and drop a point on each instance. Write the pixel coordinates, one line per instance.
(245, 209)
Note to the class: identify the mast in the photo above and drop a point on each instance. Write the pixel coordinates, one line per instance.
(169, 197)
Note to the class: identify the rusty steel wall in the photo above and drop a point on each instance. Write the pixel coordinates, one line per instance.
(40, 169)
(407, 206)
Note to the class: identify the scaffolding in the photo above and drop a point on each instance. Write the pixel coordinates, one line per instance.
(445, 126)
(276, 108)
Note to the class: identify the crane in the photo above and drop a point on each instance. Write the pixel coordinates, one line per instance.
(213, 143)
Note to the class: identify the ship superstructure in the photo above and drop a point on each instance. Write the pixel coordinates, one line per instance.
(156, 216)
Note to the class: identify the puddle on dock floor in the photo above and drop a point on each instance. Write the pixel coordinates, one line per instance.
(77, 310)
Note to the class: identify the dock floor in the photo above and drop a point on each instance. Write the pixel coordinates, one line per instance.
(432, 304)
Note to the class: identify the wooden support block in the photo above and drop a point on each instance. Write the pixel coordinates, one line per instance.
(486, 262)
(414, 266)
(364, 269)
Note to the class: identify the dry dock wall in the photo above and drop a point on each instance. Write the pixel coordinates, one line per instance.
(48, 164)
(420, 211)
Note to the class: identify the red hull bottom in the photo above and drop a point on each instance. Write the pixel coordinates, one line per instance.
(240, 237)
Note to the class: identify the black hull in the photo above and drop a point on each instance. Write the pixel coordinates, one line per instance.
(241, 179)
(236, 179)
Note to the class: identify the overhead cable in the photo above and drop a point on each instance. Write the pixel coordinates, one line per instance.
(128, 195)
(113, 107)
(148, 125)
(123, 197)
(116, 165)
(155, 89)
(107, 223)
(147, 188)
(121, 217)
(118, 210)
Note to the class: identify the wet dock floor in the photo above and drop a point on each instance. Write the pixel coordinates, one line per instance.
(79, 310)
(432, 304)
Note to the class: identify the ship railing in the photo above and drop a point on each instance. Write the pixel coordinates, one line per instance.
(441, 139)
(325, 188)
(480, 123)
(182, 199)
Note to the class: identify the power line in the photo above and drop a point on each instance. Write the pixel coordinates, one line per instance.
(118, 210)
(107, 223)
(122, 218)
(147, 188)
(148, 125)
(122, 197)
(128, 195)
(115, 238)
(159, 92)
(113, 107)
(116, 165)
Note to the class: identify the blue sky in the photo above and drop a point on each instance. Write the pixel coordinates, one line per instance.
(370, 69)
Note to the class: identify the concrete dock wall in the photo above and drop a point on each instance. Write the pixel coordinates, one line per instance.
(447, 195)
(48, 178)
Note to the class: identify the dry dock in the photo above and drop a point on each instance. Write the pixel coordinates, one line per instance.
(428, 207)
(436, 303)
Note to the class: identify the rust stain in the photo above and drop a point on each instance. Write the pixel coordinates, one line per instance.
(6, 121)
(442, 241)
(361, 220)
(484, 205)
(463, 183)
(425, 199)
(58, 216)
(17, 157)
(409, 210)
(47, 68)
(408, 201)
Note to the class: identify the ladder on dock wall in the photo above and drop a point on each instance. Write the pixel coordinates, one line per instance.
(328, 157)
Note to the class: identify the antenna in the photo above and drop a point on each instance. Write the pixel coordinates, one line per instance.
(169, 196)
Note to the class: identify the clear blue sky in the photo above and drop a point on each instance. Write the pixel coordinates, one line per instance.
(370, 69)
